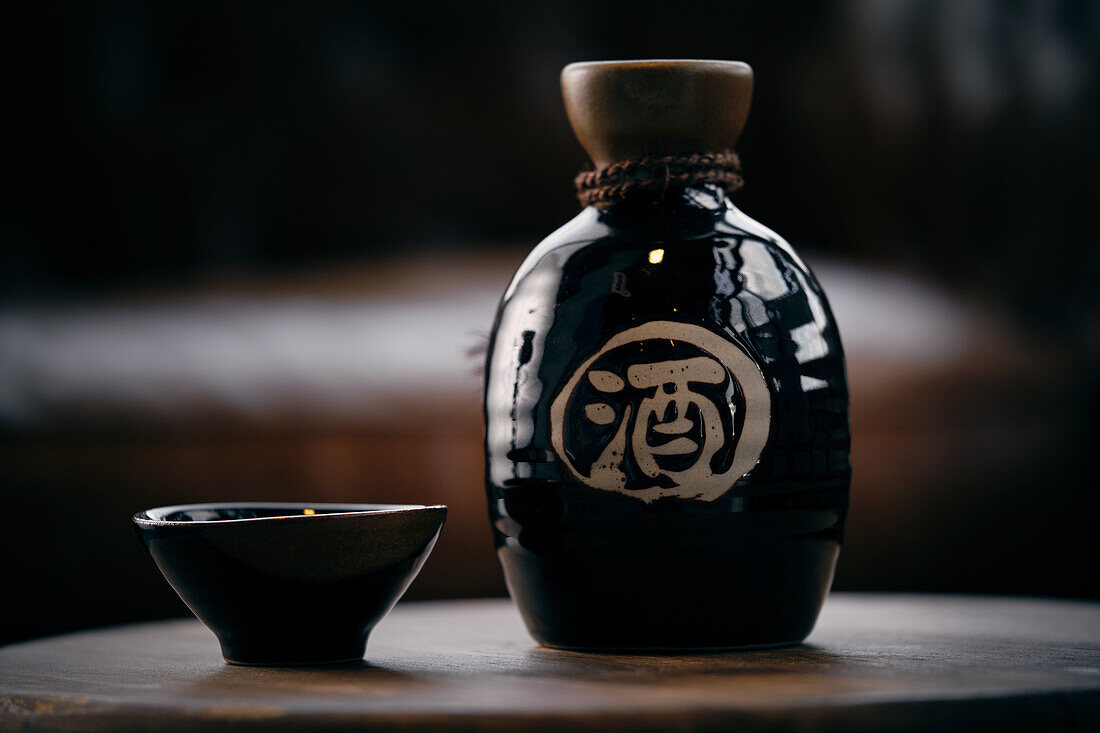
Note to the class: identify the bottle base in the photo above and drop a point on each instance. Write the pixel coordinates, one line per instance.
(632, 598)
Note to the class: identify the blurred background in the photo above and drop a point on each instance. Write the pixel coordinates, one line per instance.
(251, 251)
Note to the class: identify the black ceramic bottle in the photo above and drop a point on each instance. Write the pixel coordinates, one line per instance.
(666, 404)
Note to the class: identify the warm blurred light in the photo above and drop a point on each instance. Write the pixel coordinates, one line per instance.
(655, 256)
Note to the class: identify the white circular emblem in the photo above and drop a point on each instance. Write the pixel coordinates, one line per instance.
(663, 409)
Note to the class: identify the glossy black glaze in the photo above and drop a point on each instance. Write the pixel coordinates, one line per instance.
(596, 568)
(290, 583)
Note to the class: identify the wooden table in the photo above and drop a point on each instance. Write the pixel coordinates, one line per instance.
(875, 662)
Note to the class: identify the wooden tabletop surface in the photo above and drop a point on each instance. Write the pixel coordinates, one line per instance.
(874, 662)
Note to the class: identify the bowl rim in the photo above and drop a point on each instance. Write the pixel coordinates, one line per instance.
(149, 517)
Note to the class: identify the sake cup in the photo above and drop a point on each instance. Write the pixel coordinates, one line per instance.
(288, 584)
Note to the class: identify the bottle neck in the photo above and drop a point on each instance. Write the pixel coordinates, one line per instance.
(682, 211)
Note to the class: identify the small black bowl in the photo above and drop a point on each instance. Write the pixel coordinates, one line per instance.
(290, 583)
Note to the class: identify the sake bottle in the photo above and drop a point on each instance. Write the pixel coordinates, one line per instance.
(666, 406)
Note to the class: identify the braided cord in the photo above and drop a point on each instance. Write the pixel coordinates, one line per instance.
(657, 173)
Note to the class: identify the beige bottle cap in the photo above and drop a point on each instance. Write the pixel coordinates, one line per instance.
(628, 109)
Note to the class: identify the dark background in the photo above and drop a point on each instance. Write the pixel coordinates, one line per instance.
(169, 146)
(154, 141)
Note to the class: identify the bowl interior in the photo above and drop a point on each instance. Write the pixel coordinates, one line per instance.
(228, 512)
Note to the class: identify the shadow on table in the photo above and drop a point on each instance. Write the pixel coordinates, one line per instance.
(367, 678)
(352, 678)
(797, 659)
